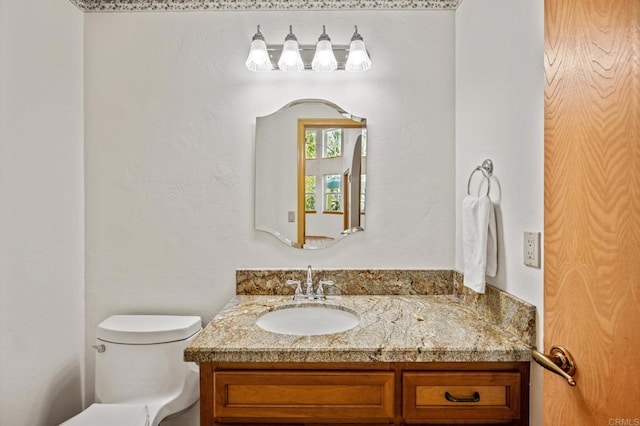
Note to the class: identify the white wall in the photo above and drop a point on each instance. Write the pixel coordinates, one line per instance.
(41, 212)
(499, 115)
(169, 148)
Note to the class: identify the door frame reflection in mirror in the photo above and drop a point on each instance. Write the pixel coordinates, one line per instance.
(318, 123)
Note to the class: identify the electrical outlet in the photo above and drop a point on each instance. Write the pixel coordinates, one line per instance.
(532, 249)
(291, 216)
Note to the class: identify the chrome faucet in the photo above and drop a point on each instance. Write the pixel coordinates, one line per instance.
(310, 294)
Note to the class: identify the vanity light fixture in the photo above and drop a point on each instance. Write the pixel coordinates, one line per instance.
(322, 56)
(290, 59)
(258, 59)
(358, 59)
(324, 59)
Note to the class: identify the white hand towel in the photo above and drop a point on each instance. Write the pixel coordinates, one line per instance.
(492, 243)
(479, 242)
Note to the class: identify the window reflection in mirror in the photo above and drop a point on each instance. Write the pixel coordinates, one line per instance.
(310, 173)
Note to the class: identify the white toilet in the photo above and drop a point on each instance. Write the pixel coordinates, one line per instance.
(141, 377)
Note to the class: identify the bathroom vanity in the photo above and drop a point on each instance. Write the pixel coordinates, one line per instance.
(369, 393)
(412, 359)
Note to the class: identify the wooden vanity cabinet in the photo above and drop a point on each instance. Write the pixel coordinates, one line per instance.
(439, 397)
(364, 393)
(330, 395)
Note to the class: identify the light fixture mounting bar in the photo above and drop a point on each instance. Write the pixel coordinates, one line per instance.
(306, 52)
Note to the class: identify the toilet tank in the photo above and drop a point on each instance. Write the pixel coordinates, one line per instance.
(142, 361)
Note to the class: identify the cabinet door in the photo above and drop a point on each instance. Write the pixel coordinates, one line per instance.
(455, 397)
(272, 396)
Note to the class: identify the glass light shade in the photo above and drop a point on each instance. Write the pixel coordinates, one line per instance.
(290, 59)
(258, 59)
(358, 59)
(324, 59)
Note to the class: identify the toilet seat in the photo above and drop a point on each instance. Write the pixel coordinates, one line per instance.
(112, 415)
(147, 329)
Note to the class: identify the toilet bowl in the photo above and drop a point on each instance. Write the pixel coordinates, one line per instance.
(140, 375)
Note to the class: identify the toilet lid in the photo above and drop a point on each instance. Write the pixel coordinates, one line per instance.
(148, 329)
(111, 415)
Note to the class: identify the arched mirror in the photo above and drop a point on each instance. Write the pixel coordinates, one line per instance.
(311, 173)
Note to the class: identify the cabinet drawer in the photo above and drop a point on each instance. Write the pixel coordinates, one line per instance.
(303, 396)
(450, 397)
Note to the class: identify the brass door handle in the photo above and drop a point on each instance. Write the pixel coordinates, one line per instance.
(558, 361)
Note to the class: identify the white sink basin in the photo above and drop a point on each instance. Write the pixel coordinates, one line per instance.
(308, 320)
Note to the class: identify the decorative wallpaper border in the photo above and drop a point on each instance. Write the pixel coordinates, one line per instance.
(254, 5)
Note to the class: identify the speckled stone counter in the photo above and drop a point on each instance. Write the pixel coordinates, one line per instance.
(398, 328)
(352, 282)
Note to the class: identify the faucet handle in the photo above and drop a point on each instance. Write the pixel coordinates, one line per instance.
(320, 291)
(298, 292)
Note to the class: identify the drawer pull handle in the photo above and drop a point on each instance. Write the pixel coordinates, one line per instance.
(451, 398)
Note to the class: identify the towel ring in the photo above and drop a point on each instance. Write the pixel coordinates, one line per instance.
(487, 171)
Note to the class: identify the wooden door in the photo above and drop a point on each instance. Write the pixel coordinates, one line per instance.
(303, 125)
(592, 209)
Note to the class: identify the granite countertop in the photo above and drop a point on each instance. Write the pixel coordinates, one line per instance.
(398, 328)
